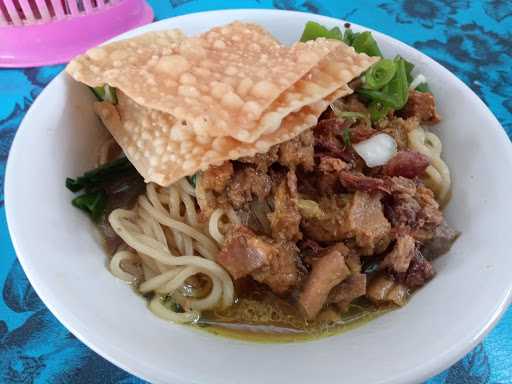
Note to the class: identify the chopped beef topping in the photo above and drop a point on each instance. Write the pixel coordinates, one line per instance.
(383, 289)
(353, 104)
(414, 209)
(217, 178)
(430, 216)
(360, 182)
(262, 161)
(283, 273)
(244, 252)
(359, 216)
(328, 271)
(401, 255)
(329, 139)
(330, 164)
(419, 272)
(399, 129)
(267, 261)
(285, 219)
(348, 290)
(298, 151)
(360, 132)
(422, 106)
(246, 185)
(333, 226)
(320, 226)
(407, 163)
(367, 221)
(401, 185)
(441, 241)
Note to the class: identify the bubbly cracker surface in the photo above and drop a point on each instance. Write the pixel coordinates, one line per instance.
(231, 81)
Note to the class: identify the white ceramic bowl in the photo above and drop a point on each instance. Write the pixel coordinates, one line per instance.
(443, 321)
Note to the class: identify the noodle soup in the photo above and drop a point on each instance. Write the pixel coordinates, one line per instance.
(289, 198)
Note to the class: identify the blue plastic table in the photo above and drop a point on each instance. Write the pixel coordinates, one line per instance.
(471, 38)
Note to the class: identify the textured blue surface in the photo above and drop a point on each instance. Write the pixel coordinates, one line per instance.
(472, 38)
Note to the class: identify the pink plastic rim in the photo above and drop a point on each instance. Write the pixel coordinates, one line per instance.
(58, 41)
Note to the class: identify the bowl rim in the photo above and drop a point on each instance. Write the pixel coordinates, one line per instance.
(416, 374)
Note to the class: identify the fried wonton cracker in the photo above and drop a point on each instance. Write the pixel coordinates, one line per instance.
(233, 81)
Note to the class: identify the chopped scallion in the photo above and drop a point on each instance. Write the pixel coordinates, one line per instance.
(379, 74)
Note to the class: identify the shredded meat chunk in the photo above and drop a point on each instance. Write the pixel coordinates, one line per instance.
(383, 289)
(282, 273)
(360, 182)
(407, 163)
(329, 139)
(267, 261)
(330, 164)
(367, 221)
(285, 219)
(422, 106)
(401, 255)
(351, 103)
(298, 151)
(262, 161)
(246, 185)
(244, 252)
(413, 209)
(348, 290)
(359, 216)
(430, 216)
(216, 178)
(399, 129)
(441, 241)
(328, 271)
(361, 131)
(319, 225)
(419, 272)
(333, 226)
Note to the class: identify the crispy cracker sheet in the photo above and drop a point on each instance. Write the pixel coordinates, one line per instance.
(235, 80)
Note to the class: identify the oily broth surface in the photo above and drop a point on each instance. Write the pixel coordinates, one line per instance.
(264, 317)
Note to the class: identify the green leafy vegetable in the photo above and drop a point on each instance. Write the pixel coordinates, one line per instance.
(111, 178)
(346, 137)
(423, 87)
(93, 179)
(408, 69)
(192, 180)
(363, 42)
(73, 185)
(348, 37)
(94, 203)
(314, 30)
(105, 93)
(380, 74)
